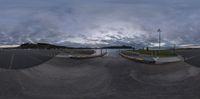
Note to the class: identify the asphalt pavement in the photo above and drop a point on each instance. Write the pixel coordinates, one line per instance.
(23, 58)
(191, 56)
(108, 77)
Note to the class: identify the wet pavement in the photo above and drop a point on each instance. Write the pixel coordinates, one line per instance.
(108, 77)
(19, 59)
(191, 56)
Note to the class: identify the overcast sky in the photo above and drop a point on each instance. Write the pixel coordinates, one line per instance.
(99, 22)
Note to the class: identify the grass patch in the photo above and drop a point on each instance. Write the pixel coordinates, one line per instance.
(162, 53)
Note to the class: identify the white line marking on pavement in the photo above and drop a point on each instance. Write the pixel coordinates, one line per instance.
(20, 83)
(11, 61)
(191, 57)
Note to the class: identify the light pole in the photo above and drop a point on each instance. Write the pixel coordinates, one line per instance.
(174, 48)
(159, 39)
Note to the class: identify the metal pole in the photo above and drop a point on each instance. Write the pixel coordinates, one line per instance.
(174, 48)
(101, 51)
(159, 40)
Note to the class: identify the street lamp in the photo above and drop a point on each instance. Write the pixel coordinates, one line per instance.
(159, 39)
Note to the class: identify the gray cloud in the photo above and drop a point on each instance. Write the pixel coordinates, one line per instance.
(99, 22)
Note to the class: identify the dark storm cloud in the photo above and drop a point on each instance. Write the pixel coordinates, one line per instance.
(99, 22)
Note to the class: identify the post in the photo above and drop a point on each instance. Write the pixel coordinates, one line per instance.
(174, 48)
(101, 51)
(159, 39)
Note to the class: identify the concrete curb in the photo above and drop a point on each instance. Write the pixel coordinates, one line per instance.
(157, 63)
(179, 59)
(62, 56)
(137, 59)
(87, 56)
(165, 60)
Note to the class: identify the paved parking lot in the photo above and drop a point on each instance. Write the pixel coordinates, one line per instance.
(191, 56)
(108, 77)
(19, 59)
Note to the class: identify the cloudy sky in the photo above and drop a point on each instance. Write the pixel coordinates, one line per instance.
(99, 22)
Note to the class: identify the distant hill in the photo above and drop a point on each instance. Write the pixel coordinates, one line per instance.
(186, 48)
(118, 47)
(51, 46)
(40, 46)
